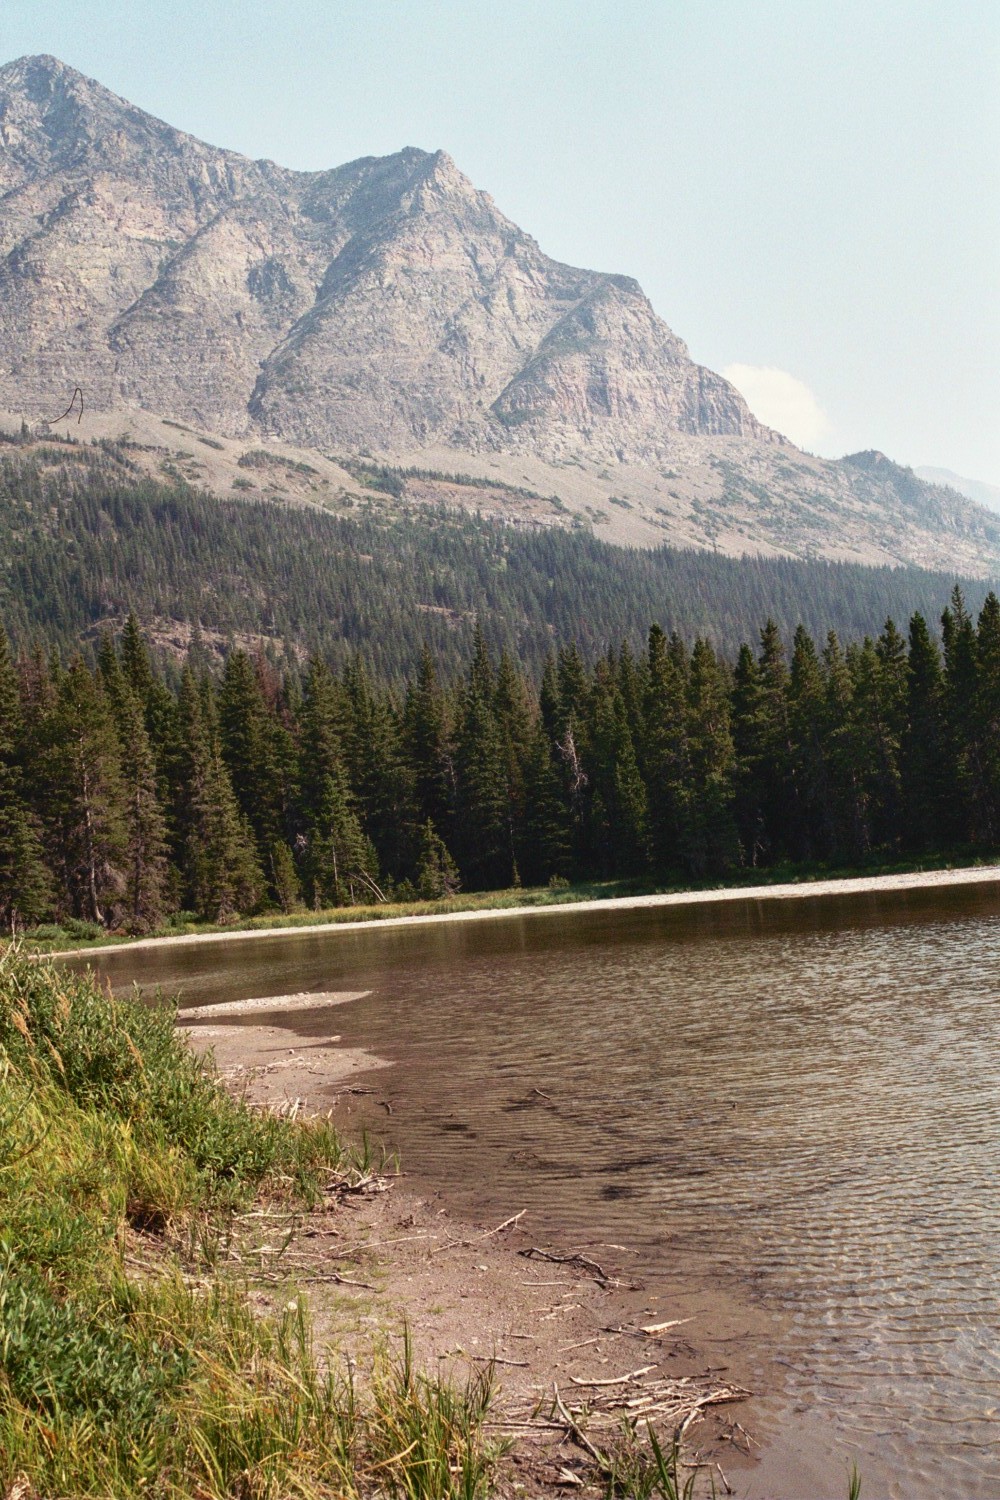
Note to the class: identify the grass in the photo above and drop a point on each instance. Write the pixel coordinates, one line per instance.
(130, 1365)
(72, 934)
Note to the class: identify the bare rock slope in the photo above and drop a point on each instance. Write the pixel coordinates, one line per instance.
(387, 307)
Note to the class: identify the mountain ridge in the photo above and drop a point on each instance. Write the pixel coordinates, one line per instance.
(387, 307)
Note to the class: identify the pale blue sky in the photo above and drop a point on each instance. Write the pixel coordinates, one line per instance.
(801, 186)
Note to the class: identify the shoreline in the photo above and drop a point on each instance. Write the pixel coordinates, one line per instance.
(914, 880)
(476, 1291)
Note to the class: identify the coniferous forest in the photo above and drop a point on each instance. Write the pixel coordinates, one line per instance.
(128, 793)
(86, 538)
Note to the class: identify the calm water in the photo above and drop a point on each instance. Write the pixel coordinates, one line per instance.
(795, 1104)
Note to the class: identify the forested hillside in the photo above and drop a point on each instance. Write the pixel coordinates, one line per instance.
(85, 539)
(123, 799)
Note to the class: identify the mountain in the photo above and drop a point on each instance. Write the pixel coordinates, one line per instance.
(973, 489)
(388, 309)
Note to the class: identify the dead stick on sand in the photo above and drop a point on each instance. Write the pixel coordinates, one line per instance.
(583, 1261)
(505, 1225)
(617, 1379)
(578, 1434)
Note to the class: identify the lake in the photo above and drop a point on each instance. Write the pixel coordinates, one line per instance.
(791, 1107)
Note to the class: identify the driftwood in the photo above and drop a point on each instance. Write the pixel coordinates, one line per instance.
(583, 1261)
(638, 1398)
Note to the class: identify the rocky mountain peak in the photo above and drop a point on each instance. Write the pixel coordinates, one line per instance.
(388, 307)
(382, 304)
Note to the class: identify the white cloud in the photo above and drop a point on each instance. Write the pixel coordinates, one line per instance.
(780, 400)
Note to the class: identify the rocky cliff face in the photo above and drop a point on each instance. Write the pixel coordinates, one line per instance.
(388, 308)
(379, 305)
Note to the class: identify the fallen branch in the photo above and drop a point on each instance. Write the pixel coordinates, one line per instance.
(507, 1223)
(617, 1379)
(579, 1436)
(583, 1261)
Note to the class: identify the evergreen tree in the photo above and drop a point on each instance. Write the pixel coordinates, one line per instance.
(380, 777)
(545, 849)
(425, 744)
(814, 835)
(250, 751)
(339, 862)
(747, 809)
(711, 844)
(663, 749)
(222, 875)
(85, 799)
(618, 814)
(437, 873)
(144, 897)
(779, 795)
(483, 827)
(849, 807)
(987, 712)
(926, 793)
(25, 887)
(962, 693)
(341, 865)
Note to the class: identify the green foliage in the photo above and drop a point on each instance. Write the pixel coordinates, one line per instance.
(437, 872)
(163, 1382)
(137, 790)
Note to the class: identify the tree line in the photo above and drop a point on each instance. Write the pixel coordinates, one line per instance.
(128, 794)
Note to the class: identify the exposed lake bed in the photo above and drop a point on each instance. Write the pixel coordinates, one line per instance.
(784, 1114)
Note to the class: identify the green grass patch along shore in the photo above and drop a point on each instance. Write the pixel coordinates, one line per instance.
(78, 936)
(134, 1358)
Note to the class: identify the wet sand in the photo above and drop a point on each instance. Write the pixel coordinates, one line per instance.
(395, 1257)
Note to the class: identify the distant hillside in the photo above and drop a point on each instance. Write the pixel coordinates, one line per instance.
(85, 537)
(972, 489)
(387, 311)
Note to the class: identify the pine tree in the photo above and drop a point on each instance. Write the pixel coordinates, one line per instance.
(961, 695)
(987, 711)
(85, 804)
(814, 834)
(145, 866)
(222, 875)
(849, 803)
(339, 863)
(483, 826)
(663, 749)
(745, 718)
(926, 791)
(25, 887)
(778, 791)
(618, 813)
(545, 849)
(249, 739)
(425, 744)
(437, 873)
(379, 775)
(709, 832)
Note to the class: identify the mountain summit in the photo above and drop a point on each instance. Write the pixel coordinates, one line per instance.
(387, 307)
(381, 304)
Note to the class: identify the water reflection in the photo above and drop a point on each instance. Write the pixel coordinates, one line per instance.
(799, 1103)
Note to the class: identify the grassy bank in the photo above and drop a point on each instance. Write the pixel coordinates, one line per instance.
(130, 1362)
(73, 935)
